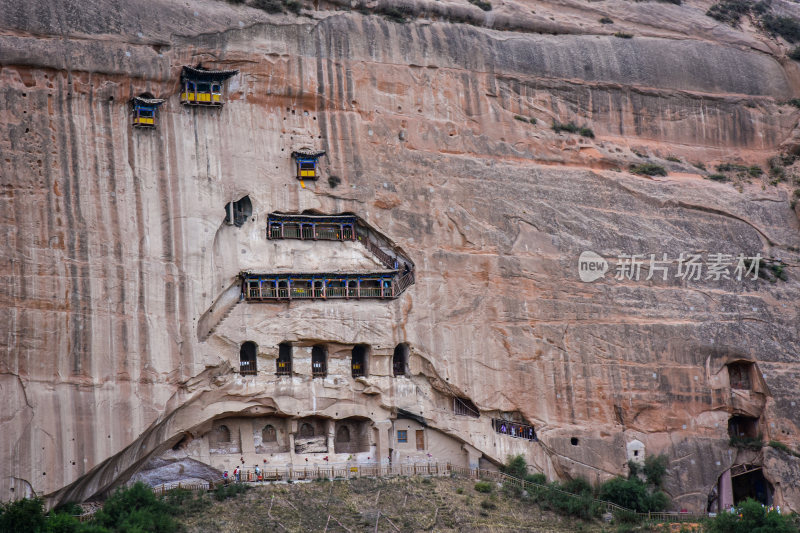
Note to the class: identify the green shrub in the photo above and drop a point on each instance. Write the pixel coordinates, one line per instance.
(606, 20)
(483, 486)
(184, 501)
(294, 6)
(699, 164)
(633, 469)
(751, 518)
(270, 6)
(459, 490)
(223, 492)
(795, 53)
(786, 27)
(633, 494)
(673, 159)
(334, 181)
(655, 468)
(62, 523)
(486, 6)
(515, 466)
(774, 443)
(569, 127)
(748, 443)
(623, 35)
(577, 486)
(539, 479)
(795, 102)
(571, 505)
(779, 271)
(136, 508)
(488, 504)
(397, 14)
(731, 167)
(755, 171)
(729, 11)
(649, 169)
(520, 118)
(22, 516)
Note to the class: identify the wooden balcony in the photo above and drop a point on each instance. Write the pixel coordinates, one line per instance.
(267, 287)
(312, 228)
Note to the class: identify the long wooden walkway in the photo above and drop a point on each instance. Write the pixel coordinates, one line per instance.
(388, 284)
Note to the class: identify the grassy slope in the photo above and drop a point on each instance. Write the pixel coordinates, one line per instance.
(411, 504)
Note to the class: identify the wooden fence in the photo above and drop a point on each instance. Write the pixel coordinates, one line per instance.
(349, 471)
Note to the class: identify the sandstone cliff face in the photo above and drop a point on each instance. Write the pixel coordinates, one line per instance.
(117, 247)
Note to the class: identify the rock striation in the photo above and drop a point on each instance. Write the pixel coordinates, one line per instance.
(120, 305)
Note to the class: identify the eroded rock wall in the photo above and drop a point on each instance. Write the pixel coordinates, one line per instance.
(117, 246)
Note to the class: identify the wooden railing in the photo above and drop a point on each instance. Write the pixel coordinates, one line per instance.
(268, 291)
(345, 471)
(332, 471)
(322, 231)
(461, 408)
(404, 281)
(387, 260)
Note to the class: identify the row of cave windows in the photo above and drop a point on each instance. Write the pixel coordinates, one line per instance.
(319, 360)
(270, 434)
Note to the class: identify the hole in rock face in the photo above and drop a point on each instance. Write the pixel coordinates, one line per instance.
(574, 441)
(753, 485)
(319, 366)
(740, 375)
(268, 434)
(284, 361)
(400, 360)
(358, 363)
(238, 212)
(247, 358)
(743, 427)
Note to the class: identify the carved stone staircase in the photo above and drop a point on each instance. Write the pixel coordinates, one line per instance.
(219, 310)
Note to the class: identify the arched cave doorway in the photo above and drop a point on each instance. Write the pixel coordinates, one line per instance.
(400, 360)
(319, 361)
(247, 358)
(358, 363)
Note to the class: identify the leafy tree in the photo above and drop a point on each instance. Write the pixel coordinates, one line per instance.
(655, 468)
(516, 466)
(22, 516)
(136, 509)
(754, 519)
(630, 493)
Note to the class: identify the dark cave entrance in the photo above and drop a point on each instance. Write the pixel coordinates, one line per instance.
(752, 484)
(237, 212)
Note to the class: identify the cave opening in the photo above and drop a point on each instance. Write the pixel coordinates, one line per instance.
(358, 363)
(319, 356)
(743, 427)
(753, 485)
(284, 362)
(739, 375)
(238, 212)
(400, 360)
(247, 358)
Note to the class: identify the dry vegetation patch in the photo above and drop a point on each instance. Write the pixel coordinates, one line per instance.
(408, 504)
